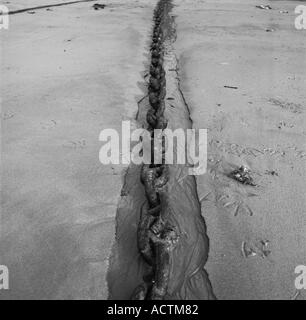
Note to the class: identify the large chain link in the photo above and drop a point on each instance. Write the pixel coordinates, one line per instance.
(156, 237)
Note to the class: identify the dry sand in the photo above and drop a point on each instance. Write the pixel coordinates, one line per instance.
(260, 125)
(66, 75)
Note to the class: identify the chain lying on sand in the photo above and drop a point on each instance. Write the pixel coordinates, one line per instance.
(156, 236)
(171, 235)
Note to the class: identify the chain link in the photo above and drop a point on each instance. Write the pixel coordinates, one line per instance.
(155, 236)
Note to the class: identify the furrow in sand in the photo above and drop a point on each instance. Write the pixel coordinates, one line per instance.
(188, 278)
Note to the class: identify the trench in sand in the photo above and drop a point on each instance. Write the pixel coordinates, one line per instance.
(188, 278)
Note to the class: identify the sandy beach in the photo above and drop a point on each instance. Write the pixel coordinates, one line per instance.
(69, 72)
(65, 77)
(260, 124)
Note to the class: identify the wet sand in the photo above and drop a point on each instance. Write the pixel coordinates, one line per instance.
(260, 125)
(178, 265)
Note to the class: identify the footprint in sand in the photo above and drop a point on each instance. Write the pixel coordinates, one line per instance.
(234, 204)
(8, 115)
(80, 144)
(289, 106)
(258, 247)
(48, 125)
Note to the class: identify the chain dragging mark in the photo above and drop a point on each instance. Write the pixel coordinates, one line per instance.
(156, 237)
(162, 240)
(161, 244)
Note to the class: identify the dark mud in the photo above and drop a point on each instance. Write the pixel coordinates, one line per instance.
(147, 263)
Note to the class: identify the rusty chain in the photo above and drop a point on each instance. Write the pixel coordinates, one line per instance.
(156, 237)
